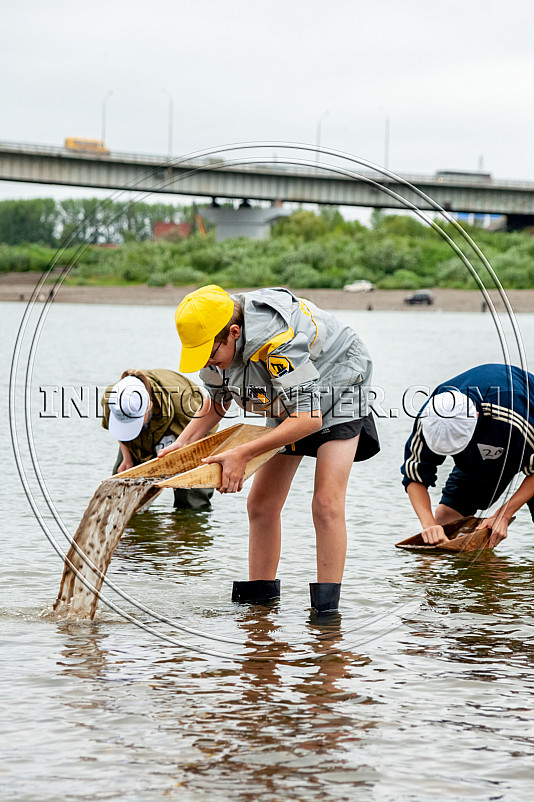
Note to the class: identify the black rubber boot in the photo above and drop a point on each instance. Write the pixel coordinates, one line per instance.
(258, 591)
(325, 596)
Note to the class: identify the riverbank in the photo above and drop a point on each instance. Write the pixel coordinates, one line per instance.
(20, 286)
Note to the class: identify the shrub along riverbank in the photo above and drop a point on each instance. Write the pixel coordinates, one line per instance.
(306, 250)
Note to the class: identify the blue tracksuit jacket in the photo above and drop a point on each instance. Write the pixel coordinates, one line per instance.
(503, 441)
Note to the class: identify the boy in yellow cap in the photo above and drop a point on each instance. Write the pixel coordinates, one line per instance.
(309, 374)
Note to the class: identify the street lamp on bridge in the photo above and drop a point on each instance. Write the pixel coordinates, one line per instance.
(171, 115)
(318, 136)
(103, 116)
(386, 145)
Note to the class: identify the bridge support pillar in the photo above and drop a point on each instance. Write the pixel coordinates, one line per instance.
(245, 221)
(518, 222)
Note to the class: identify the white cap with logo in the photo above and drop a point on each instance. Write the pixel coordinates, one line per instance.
(448, 422)
(128, 403)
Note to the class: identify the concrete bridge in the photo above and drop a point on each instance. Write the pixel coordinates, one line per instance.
(454, 191)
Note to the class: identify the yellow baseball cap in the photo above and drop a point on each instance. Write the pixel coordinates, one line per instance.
(199, 318)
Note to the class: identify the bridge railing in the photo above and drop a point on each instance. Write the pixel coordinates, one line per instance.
(270, 168)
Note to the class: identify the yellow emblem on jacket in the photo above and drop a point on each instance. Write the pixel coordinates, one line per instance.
(279, 365)
(257, 394)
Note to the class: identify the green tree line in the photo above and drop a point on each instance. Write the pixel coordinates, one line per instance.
(45, 221)
(307, 249)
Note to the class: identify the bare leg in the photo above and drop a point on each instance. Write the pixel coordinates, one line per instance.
(334, 461)
(265, 501)
(444, 514)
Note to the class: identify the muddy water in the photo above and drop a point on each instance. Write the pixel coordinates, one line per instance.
(94, 542)
(422, 688)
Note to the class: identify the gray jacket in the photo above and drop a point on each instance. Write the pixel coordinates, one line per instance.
(293, 356)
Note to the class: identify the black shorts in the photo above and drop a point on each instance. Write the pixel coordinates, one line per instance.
(368, 445)
(466, 493)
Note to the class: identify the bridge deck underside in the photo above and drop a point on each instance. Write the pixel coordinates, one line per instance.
(136, 176)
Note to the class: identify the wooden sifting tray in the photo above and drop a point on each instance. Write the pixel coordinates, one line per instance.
(184, 467)
(462, 537)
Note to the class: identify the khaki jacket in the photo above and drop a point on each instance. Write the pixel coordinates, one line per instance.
(175, 398)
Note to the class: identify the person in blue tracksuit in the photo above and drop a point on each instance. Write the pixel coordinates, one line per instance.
(484, 419)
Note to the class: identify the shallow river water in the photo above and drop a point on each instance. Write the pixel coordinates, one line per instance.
(421, 689)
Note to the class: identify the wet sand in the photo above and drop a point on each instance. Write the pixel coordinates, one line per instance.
(19, 287)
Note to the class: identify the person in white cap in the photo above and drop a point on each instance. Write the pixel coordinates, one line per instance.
(484, 420)
(146, 411)
(129, 407)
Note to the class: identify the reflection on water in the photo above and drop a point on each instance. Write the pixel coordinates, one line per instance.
(157, 539)
(492, 612)
(274, 728)
(431, 701)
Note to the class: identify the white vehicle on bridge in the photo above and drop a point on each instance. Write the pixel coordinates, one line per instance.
(475, 176)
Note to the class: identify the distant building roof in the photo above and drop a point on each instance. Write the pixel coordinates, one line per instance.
(171, 230)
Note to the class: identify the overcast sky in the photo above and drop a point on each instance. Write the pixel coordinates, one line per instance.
(455, 79)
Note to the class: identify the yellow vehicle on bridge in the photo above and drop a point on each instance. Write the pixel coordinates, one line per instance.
(87, 145)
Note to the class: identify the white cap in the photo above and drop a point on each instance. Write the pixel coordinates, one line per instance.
(448, 422)
(128, 403)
